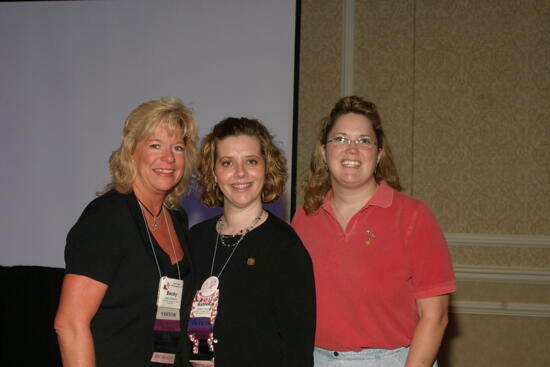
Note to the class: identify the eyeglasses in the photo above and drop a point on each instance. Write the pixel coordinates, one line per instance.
(365, 143)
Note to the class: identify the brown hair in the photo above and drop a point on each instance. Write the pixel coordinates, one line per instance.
(275, 161)
(317, 181)
(172, 114)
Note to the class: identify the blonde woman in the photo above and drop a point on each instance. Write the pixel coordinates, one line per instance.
(126, 287)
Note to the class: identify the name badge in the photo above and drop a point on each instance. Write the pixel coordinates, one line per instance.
(195, 363)
(202, 316)
(164, 358)
(169, 293)
(205, 303)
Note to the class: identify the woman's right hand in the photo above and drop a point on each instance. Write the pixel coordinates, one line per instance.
(79, 302)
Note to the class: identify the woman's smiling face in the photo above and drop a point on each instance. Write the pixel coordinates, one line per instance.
(240, 171)
(159, 160)
(351, 166)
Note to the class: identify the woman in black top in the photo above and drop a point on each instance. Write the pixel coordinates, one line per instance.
(256, 302)
(129, 245)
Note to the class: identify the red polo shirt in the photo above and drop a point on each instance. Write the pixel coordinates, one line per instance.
(369, 276)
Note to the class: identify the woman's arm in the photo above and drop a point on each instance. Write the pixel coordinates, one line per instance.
(296, 306)
(80, 299)
(433, 313)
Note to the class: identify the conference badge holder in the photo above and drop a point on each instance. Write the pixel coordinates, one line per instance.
(167, 320)
(202, 317)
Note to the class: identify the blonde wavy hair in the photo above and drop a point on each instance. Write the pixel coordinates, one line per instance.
(275, 161)
(176, 118)
(317, 180)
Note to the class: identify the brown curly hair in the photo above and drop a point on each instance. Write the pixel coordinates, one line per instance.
(317, 181)
(172, 114)
(275, 161)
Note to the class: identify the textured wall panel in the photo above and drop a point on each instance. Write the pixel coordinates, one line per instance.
(384, 74)
(320, 58)
(489, 341)
(481, 136)
(463, 88)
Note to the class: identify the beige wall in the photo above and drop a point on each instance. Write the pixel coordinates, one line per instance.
(463, 90)
(320, 58)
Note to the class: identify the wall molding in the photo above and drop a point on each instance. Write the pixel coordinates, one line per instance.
(501, 274)
(500, 308)
(497, 240)
(348, 44)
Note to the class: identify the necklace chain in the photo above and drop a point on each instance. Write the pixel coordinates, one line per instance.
(151, 241)
(219, 228)
(155, 224)
(243, 232)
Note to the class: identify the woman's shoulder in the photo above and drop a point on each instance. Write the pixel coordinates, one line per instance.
(106, 208)
(181, 216)
(99, 239)
(278, 228)
(282, 242)
(407, 200)
(107, 201)
(204, 226)
(299, 216)
(412, 208)
(277, 222)
(304, 223)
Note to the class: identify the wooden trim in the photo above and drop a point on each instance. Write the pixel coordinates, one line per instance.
(500, 309)
(501, 274)
(348, 32)
(497, 240)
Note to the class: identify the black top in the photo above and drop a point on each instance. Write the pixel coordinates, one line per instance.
(266, 310)
(109, 243)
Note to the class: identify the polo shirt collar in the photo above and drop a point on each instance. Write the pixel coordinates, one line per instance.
(383, 198)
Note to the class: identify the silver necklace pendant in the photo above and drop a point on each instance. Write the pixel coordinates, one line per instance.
(155, 224)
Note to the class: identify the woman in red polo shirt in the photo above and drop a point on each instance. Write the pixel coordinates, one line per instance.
(382, 268)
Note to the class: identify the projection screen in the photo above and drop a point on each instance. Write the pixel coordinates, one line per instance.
(71, 72)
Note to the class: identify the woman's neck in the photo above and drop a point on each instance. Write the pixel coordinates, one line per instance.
(236, 219)
(353, 196)
(346, 203)
(152, 202)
